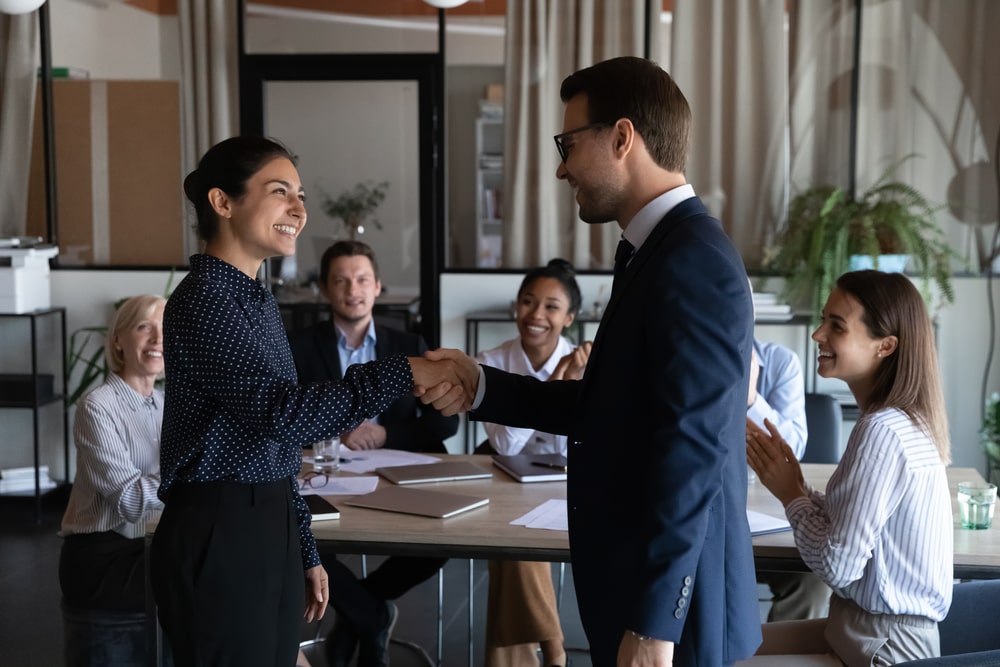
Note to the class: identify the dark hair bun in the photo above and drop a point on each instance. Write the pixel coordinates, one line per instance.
(193, 187)
(563, 266)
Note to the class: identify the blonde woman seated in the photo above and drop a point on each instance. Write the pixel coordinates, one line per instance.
(117, 436)
(521, 610)
(881, 535)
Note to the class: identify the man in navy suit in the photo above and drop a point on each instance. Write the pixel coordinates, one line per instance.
(349, 280)
(657, 492)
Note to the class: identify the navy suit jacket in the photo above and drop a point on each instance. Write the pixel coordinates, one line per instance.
(657, 456)
(408, 424)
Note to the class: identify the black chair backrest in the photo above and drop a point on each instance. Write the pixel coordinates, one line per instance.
(970, 625)
(824, 419)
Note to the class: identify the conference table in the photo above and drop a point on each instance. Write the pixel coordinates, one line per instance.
(487, 533)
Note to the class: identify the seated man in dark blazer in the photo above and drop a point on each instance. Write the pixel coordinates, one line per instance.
(349, 280)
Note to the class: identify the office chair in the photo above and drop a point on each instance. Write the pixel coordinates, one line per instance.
(823, 419)
(969, 634)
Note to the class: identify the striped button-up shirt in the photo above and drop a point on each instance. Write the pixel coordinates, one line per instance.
(882, 534)
(117, 435)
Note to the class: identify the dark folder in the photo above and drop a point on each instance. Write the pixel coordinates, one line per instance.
(321, 508)
(533, 467)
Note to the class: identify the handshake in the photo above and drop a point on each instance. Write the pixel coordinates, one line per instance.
(449, 379)
(446, 379)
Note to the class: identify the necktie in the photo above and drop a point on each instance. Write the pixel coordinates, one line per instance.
(622, 255)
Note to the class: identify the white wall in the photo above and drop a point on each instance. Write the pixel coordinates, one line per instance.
(116, 41)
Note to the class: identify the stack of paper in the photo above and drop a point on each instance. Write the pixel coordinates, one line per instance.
(22, 480)
(767, 309)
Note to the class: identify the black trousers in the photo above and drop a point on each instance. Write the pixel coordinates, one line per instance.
(227, 574)
(103, 571)
(363, 602)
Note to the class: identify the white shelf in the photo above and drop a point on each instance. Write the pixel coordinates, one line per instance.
(489, 192)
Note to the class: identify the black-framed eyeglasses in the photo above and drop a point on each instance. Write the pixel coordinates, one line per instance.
(561, 138)
(313, 480)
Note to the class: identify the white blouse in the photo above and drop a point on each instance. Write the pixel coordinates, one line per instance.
(510, 356)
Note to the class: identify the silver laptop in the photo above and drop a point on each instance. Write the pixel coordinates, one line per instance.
(441, 471)
(423, 502)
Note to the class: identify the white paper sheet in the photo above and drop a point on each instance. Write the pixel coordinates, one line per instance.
(344, 486)
(550, 515)
(367, 460)
(762, 524)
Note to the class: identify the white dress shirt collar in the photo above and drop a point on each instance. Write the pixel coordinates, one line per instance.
(641, 226)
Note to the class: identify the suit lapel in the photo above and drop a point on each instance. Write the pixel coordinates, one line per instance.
(329, 354)
(660, 234)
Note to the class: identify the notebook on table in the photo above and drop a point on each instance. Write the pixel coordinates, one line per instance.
(422, 502)
(442, 471)
(321, 508)
(533, 467)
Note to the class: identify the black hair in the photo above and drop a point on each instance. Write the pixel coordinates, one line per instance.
(345, 249)
(228, 165)
(561, 270)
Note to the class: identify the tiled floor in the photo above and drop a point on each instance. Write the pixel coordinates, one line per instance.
(31, 624)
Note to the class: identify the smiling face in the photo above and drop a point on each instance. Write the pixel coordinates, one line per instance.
(590, 165)
(351, 288)
(847, 350)
(141, 346)
(265, 221)
(542, 314)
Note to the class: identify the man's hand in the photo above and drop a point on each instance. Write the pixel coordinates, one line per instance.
(646, 652)
(571, 366)
(448, 380)
(317, 593)
(754, 373)
(368, 435)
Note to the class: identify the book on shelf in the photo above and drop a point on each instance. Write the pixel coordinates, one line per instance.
(491, 109)
(67, 73)
(491, 161)
(491, 204)
(761, 298)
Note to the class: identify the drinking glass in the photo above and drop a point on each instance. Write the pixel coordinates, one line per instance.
(326, 454)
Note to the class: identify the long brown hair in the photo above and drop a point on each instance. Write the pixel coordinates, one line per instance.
(907, 379)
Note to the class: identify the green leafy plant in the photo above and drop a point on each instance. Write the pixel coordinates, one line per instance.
(354, 207)
(826, 226)
(991, 429)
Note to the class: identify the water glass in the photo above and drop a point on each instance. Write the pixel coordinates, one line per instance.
(976, 501)
(326, 454)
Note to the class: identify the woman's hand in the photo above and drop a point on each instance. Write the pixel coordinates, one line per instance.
(317, 593)
(774, 462)
(571, 366)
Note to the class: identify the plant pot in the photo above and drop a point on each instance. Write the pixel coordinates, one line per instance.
(886, 263)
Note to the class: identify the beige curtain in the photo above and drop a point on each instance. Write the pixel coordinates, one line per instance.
(209, 82)
(546, 41)
(929, 88)
(730, 60)
(18, 77)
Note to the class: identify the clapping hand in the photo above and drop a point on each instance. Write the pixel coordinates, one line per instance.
(774, 462)
(571, 366)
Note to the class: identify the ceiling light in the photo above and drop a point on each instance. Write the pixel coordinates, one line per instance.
(19, 6)
(445, 4)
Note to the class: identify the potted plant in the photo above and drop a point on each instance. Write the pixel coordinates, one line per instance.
(990, 433)
(354, 207)
(826, 228)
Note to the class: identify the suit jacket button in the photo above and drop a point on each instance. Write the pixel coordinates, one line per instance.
(685, 591)
(678, 613)
(681, 603)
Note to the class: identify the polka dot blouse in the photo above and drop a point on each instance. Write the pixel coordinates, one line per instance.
(234, 410)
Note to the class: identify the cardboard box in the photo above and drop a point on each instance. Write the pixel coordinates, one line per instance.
(494, 92)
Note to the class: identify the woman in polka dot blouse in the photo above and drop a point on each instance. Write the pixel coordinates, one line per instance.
(228, 556)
